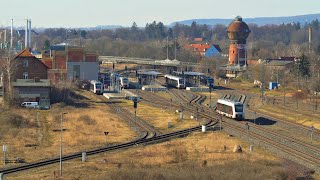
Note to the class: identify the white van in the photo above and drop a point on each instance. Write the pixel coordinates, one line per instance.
(30, 104)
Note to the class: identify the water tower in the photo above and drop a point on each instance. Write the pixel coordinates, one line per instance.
(238, 32)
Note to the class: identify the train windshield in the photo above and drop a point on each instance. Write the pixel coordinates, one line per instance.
(98, 86)
(210, 81)
(239, 108)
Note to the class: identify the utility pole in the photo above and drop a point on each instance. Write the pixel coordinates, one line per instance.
(11, 30)
(167, 47)
(210, 89)
(262, 82)
(4, 148)
(61, 142)
(284, 90)
(175, 49)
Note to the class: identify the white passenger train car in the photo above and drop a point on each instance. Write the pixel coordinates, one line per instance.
(124, 82)
(96, 87)
(231, 109)
(175, 81)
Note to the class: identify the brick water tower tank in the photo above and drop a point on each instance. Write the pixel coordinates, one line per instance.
(238, 32)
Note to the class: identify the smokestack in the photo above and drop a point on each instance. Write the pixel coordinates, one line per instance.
(26, 35)
(11, 39)
(5, 37)
(310, 38)
(30, 46)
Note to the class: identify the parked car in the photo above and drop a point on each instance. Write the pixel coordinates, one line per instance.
(33, 105)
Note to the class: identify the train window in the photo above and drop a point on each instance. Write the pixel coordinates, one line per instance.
(239, 108)
(98, 86)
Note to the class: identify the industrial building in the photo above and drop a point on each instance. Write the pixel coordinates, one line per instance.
(67, 62)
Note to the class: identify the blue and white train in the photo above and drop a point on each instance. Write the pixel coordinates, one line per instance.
(96, 87)
(175, 81)
(124, 82)
(231, 109)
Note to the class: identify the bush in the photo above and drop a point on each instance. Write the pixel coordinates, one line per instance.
(16, 121)
(87, 120)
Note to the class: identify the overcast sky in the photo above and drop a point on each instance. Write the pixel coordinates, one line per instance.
(90, 13)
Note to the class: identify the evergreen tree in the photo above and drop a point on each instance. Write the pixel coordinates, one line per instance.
(46, 45)
(301, 67)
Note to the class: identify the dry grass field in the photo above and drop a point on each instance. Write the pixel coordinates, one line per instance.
(34, 134)
(159, 117)
(198, 156)
(286, 113)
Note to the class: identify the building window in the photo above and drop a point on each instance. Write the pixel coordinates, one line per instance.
(25, 75)
(25, 63)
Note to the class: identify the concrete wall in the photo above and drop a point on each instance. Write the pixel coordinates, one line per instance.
(31, 93)
(88, 70)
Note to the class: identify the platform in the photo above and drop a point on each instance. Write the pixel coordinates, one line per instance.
(198, 89)
(153, 88)
(123, 95)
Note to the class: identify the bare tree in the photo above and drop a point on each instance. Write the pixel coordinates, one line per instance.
(9, 66)
(294, 50)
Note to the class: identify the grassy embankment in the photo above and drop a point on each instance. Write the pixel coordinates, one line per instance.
(34, 134)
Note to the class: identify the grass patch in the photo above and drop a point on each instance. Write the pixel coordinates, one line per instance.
(87, 120)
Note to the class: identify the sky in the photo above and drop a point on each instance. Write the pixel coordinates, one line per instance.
(90, 13)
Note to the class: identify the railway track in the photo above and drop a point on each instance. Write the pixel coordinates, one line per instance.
(300, 151)
(138, 124)
(147, 135)
(299, 126)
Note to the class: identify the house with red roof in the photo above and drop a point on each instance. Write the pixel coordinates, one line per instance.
(206, 50)
(29, 67)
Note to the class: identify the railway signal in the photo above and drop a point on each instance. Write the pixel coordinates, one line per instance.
(247, 127)
(312, 131)
(135, 105)
(210, 90)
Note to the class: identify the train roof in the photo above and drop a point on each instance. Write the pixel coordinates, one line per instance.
(150, 73)
(172, 76)
(95, 82)
(189, 73)
(228, 102)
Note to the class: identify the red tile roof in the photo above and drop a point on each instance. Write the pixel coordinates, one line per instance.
(47, 62)
(200, 47)
(24, 53)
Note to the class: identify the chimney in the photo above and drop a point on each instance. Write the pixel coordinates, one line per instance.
(26, 35)
(5, 37)
(11, 39)
(310, 38)
(29, 35)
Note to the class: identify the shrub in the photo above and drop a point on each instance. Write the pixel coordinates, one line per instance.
(87, 120)
(16, 121)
